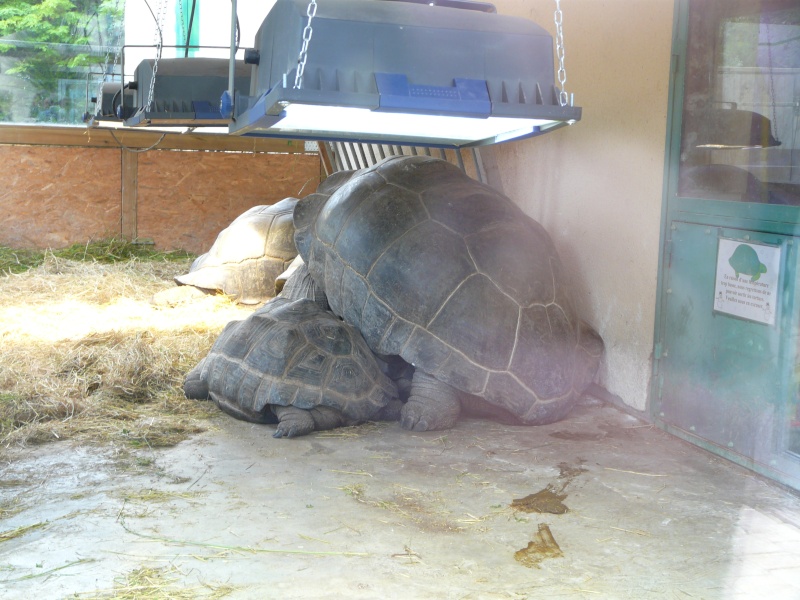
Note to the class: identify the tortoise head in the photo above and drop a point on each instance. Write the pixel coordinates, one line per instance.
(307, 209)
(305, 217)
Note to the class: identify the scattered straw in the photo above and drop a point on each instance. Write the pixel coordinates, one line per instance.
(633, 531)
(152, 495)
(636, 472)
(14, 261)
(243, 549)
(86, 355)
(351, 472)
(313, 539)
(49, 572)
(425, 510)
(19, 531)
(166, 583)
(412, 557)
(354, 431)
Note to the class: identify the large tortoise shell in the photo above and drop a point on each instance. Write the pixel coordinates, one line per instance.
(248, 255)
(453, 277)
(293, 353)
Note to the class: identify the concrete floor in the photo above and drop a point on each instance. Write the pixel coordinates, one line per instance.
(378, 512)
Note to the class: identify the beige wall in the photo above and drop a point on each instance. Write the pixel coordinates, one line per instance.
(597, 186)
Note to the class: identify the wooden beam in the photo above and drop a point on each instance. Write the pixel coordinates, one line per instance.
(128, 192)
(42, 135)
(325, 160)
(491, 167)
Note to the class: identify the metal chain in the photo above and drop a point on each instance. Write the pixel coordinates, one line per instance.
(99, 96)
(162, 13)
(117, 53)
(182, 20)
(307, 33)
(562, 72)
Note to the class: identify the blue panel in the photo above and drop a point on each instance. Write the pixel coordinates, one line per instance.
(468, 97)
(205, 110)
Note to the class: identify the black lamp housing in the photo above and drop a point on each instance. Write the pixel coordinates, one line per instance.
(449, 74)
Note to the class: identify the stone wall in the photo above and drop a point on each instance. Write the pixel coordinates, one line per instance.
(52, 197)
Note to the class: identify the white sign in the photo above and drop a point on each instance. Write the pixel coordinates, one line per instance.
(747, 280)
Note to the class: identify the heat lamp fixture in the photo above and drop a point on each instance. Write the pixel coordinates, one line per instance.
(440, 73)
(448, 73)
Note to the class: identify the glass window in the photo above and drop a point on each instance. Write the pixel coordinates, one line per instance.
(742, 102)
(54, 56)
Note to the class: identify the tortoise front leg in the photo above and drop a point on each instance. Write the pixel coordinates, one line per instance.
(294, 422)
(194, 386)
(432, 405)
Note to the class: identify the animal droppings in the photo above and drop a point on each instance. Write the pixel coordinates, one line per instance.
(544, 501)
(544, 546)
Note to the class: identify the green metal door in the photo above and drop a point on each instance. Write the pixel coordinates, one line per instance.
(727, 382)
(725, 365)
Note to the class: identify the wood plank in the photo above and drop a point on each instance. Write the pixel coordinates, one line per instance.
(129, 194)
(43, 135)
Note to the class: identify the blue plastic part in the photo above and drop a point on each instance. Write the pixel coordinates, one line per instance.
(226, 105)
(204, 110)
(468, 97)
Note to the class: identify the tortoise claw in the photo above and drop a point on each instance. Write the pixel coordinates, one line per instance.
(418, 416)
(293, 422)
(433, 405)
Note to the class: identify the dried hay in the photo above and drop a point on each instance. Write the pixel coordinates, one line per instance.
(165, 583)
(426, 510)
(19, 531)
(87, 356)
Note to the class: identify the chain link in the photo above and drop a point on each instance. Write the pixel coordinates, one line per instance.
(99, 96)
(103, 79)
(562, 72)
(162, 14)
(182, 20)
(307, 33)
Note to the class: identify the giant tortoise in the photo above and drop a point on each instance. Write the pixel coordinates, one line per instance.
(248, 255)
(294, 363)
(457, 280)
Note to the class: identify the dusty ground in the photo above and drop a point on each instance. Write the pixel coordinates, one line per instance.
(378, 512)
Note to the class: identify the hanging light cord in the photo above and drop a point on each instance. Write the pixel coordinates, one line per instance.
(562, 72)
(774, 124)
(307, 33)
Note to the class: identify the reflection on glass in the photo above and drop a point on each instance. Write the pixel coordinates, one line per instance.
(742, 102)
(54, 56)
(794, 430)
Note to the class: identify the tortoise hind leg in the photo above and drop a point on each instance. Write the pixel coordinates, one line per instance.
(294, 422)
(432, 405)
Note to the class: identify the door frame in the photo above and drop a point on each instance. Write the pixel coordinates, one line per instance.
(774, 219)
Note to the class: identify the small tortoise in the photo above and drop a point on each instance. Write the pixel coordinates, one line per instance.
(294, 363)
(453, 277)
(248, 255)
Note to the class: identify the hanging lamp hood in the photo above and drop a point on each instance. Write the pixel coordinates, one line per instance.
(447, 73)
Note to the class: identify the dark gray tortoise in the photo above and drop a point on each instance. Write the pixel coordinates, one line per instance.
(248, 255)
(294, 363)
(453, 277)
